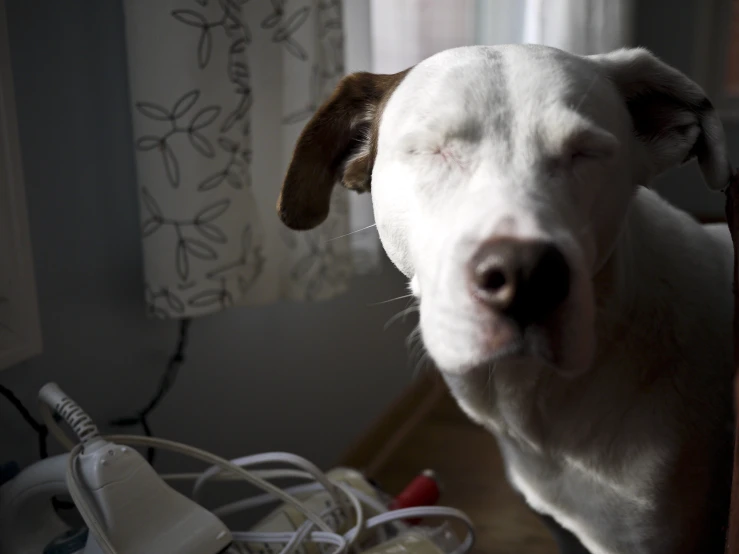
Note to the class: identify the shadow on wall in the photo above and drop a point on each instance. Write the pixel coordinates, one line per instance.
(299, 377)
(668, 28)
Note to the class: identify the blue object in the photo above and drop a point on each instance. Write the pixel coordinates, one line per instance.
(8, 470)
(71, 542)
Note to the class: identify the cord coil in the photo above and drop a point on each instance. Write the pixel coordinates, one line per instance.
(367, 517)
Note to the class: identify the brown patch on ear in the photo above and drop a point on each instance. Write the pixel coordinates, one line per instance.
(339, 144)
(357, 172)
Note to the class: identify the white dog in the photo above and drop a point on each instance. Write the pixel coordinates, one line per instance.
(575, 314)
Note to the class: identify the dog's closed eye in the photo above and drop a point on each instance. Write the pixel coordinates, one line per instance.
(584, 145)
(448, 152)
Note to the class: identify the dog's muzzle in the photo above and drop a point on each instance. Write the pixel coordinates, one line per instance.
(523, 281)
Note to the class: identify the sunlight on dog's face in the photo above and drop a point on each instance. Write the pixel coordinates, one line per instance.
(499, 187)
(500, 178)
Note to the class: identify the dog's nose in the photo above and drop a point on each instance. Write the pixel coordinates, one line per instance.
(524, 280)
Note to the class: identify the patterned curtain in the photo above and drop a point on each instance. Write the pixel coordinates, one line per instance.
(220, 90)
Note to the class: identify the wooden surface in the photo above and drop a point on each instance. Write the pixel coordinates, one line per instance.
(379, 443)
(466, 459)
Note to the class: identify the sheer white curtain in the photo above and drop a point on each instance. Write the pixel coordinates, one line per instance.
(405, 32)
(579, 26)
(220, 90)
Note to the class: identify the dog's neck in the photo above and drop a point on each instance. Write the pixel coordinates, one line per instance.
(616, 286)
(640, 279)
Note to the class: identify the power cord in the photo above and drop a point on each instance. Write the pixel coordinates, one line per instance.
(43, 434)
(176, 361)
(41, 430)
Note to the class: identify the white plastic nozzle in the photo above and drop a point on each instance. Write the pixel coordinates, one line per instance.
(81, 423)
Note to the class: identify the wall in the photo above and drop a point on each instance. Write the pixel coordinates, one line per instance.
(303, 378)
(668, 28)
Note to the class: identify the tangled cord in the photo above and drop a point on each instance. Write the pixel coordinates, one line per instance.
(176, 361)
(348, 501)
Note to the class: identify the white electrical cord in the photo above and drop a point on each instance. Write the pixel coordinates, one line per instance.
(222, 463)
(263, 499)
(349, 501)
(309, 469)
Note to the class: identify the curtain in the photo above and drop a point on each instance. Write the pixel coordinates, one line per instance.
(579, 26)
(220, 90)
(404, 33)
(408, 31)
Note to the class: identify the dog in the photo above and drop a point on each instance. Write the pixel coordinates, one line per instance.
(572, 311)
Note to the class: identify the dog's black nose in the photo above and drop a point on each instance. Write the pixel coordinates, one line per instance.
(524, 280)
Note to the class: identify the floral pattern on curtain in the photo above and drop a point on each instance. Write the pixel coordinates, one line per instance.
(220, 90)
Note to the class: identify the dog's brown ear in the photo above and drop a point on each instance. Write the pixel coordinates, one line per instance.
(671, 114)
(338, 145)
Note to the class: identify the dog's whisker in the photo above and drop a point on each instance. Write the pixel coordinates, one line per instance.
(401, 314)
(418, 351)
(410, 309)
(391, 300)
(353, 232)
(421, 364)
(413, 303)
(413, 337)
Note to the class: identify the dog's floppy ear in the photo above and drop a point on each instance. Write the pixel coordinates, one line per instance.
(338, 145)
(671, 114)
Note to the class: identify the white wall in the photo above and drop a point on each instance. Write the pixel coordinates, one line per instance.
(303, 378)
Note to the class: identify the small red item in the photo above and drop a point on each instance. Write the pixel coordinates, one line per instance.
(424, 490)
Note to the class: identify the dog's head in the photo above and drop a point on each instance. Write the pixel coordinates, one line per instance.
(500, 179)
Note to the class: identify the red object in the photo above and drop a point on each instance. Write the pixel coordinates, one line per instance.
(424, 490)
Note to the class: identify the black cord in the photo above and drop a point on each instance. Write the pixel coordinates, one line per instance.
(41, 430)
(43, 434)
(176, 361)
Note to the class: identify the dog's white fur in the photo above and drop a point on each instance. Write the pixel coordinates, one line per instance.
(613, 419)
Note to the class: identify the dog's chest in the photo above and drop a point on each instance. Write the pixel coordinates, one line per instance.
(583, 464)
(609, 517)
